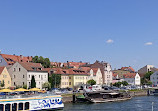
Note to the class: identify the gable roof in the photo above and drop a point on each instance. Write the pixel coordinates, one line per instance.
(1, 69)
(129, 75)
(128, 68)
(11, 59)
(67, 71)
(94, 71)
(29, 66)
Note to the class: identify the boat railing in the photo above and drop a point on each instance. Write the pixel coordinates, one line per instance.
(25, 96)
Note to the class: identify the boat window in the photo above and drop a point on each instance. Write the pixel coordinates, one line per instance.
(27, 106)
(20, 106)
(7, 107)
(1, 107)
(14, 107)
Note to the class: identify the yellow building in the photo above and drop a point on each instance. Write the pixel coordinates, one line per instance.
(70, 78)
(5, 77)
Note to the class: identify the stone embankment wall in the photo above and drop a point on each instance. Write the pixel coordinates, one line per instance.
(67, 99)
(138, 93)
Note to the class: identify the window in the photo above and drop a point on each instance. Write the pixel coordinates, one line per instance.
(19, 69)
(0, 60)
(14, 76)
(45, 76)
(69, 77)
(23, 83)
(39, 76)
(69, 83)
(14, 69)
(14, 84)
(8, 82)
(39, 83)
(23, 76)
(29, 76)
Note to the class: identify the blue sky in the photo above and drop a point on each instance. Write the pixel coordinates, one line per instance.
(121, 32)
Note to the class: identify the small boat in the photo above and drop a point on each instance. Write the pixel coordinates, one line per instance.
(33, 103)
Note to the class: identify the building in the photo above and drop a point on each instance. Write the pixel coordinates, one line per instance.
(22, 72)
(6, 59)
(132, 79)
(72, 78)
(5, 77)
(154, 78)
(95, 74)
(106, 71)
(142, 71)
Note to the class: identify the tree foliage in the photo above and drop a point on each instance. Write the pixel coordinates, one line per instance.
(91, 82)
(25, 86)
(55, 80)
(44, 61)
(2, 84)
(46, 85)
(33, 82)
(146, 78)
(118, 84)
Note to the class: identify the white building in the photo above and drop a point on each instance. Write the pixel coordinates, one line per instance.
(154, 78)
(21, 74)
(106, 71)
(132, 79)
(95, 74)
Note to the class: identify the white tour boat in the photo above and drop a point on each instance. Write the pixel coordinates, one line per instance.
(31, 103)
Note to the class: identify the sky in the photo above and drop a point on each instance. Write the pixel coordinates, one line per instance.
(120, 32)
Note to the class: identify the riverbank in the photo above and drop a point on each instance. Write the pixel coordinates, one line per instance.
(134, 93)
(68, 98)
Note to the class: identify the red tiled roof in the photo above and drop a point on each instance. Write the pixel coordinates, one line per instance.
(32, 66)
(67, 71)
(129, 75)
(1, 69)
(94, 71)
(87, 69)
(11, 59)
(127, 68)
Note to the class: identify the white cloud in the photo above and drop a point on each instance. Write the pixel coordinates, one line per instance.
(109, 41)
(149, 43)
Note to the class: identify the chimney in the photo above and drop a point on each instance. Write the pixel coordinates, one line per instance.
(21, 56)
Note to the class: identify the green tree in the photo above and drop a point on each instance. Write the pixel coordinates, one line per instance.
(46, 86)
(2, 84)
(91, 82)
(33, 83)
(124, 83)
(25, 86)
(55, 80)
(146, 78)
(44, 61)
(117, 84)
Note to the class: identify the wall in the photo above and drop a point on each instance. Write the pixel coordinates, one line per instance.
(19, 78)
(40, 78)
(6, 77)
(65, 81)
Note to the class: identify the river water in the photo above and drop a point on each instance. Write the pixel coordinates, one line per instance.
(143, 103)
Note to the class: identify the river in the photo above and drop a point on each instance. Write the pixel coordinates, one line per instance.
(143, 103)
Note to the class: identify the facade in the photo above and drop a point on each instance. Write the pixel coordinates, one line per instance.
(5, 77)
(95, 74)
(71, 78)
(133, 79)
(106, 71)
(6, 59)
(154, 78)
(21, 74)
